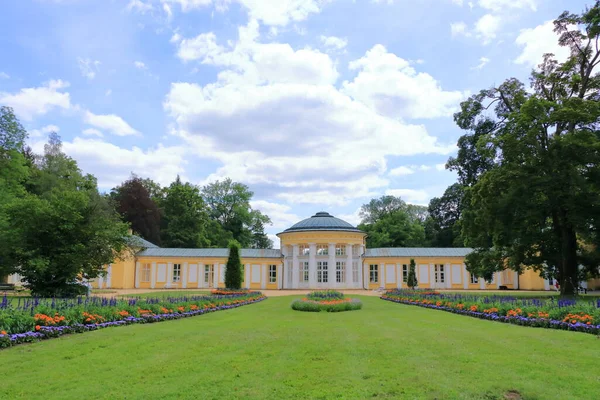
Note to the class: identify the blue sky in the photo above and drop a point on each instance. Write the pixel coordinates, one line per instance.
(314, 104)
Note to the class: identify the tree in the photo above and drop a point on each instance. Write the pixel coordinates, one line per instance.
(229, 203)
(531, 164)
(62, 228)
(411, 280)
(442, 227)
(135, 205)
(233, 270)
(185, 216)
(377, 209)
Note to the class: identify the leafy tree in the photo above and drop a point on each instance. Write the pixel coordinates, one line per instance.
(531, 164)
(411, 279)
(233, 270)
(185, 216)
(442, 227)
(229, 203)
(62, 228)
(135, 205)
(377, 209)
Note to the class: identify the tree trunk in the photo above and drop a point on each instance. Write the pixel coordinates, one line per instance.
(569, 272)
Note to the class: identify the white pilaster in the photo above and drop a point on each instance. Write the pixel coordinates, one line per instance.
(184, 276)
(365, 275)
(312, 265)
(515, 280)
(432, 282)
(247, 276)
(349, 259)
(361, 267)
(100, 282)
(546, 284)
(265, 276)
(200, 275)
(465, 275)
(399, 275)
(481, 283)
(153, 276)
(169, 275)
(295, 267)
(448, 276)
(498, 279)
(109, 277)
(279, 276)
(382, 275)
(216, 275)
(137, 274)
(331, 266)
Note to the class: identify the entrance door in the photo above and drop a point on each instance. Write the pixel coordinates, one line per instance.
(440, 276)
(209, 275)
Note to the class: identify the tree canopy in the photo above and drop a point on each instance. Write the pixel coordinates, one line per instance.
(530, 164)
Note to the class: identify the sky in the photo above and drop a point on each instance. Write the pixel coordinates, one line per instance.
(314, 104)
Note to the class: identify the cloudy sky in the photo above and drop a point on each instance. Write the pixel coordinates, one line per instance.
(314, 104)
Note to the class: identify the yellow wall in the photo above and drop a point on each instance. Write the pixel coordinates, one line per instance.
(324, 237)
(531, 280)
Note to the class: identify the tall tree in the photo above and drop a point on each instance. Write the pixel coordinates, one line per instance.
(376, 209)
(233, 269)
(229, 203)
(442, 227)
(411, 279)
(62, 228)
(185, 216)
(531, 164)
(135, 205)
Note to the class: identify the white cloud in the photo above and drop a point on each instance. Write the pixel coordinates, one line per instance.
(392, 87)
(88, 67)
(140, 65)
(412, 196)
(504, 5)
(538, 41)
(168, 11)
(483, 61)
(459, 28)
(139, 6)
(334, 42)
(112, 164)
(440, 167)
(31, 102)
(280, 214)
(458, 2)
(4, 75)
(278, 13)
(402, 170)
(353, 218)
(110, 122)
(35, 133)
(92, 132)
(486, 28)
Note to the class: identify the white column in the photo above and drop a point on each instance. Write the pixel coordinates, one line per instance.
(184, 276)
(247, 276)
(100, 282)
(432, 283)
(109, 276)
(361, 267)
(312, 265)
(200, 275)
(279, 277)
(216, 275)
(331, 266)
(365, 275)
(382, 275)
(349, 259)
(481, 283)
(465, 275)
(137, 275)
(295, 266)
(515, 280)
(265, 276)
(169, 275)
(153, 276)
(498, 279)
(546, 284)
(448, 276)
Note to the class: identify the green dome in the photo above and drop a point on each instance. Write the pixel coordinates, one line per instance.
(322, 221)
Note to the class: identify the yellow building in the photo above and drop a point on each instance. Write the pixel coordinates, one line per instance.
(319, 252)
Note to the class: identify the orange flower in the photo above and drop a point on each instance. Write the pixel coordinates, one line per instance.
(37, 327)
(3, 333)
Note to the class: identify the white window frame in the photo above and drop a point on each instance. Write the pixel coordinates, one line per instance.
(354, 271)
(440, 273)
(373, 273)
(340, 249)
(322, 275)
(146, 273)
(209, 270)
(176, 272)
(303, 250)
(322, 250)
(340, 271)
(405, 269)
(272, 273)
(474, 279)
(304, 271)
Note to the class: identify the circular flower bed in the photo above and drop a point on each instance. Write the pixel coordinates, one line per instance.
(327, 300)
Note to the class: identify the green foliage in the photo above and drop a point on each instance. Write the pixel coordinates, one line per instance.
(411, 279)
(325, 294)
(324, 305)
(233, 270)
(530, 165)
(442, 227)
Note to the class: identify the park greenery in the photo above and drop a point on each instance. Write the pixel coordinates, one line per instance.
(233, 269)
(326, 300)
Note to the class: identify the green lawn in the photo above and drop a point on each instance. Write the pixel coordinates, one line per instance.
(268, 351)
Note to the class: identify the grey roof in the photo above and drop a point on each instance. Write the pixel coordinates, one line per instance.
(322, 221)
(418, 252)
(218, 253)
(137, 241)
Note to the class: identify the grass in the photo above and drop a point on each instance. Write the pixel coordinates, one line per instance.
(267, 350)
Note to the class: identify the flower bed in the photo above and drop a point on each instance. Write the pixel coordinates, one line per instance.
(230, 292)
(573, 315)
(327, 300)
(31, 320)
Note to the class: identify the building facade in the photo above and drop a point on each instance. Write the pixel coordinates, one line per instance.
(320, 252)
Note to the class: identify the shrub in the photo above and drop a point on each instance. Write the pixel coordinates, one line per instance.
(325, 294)
(335, 305)
(411, 279)
(233, 270)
